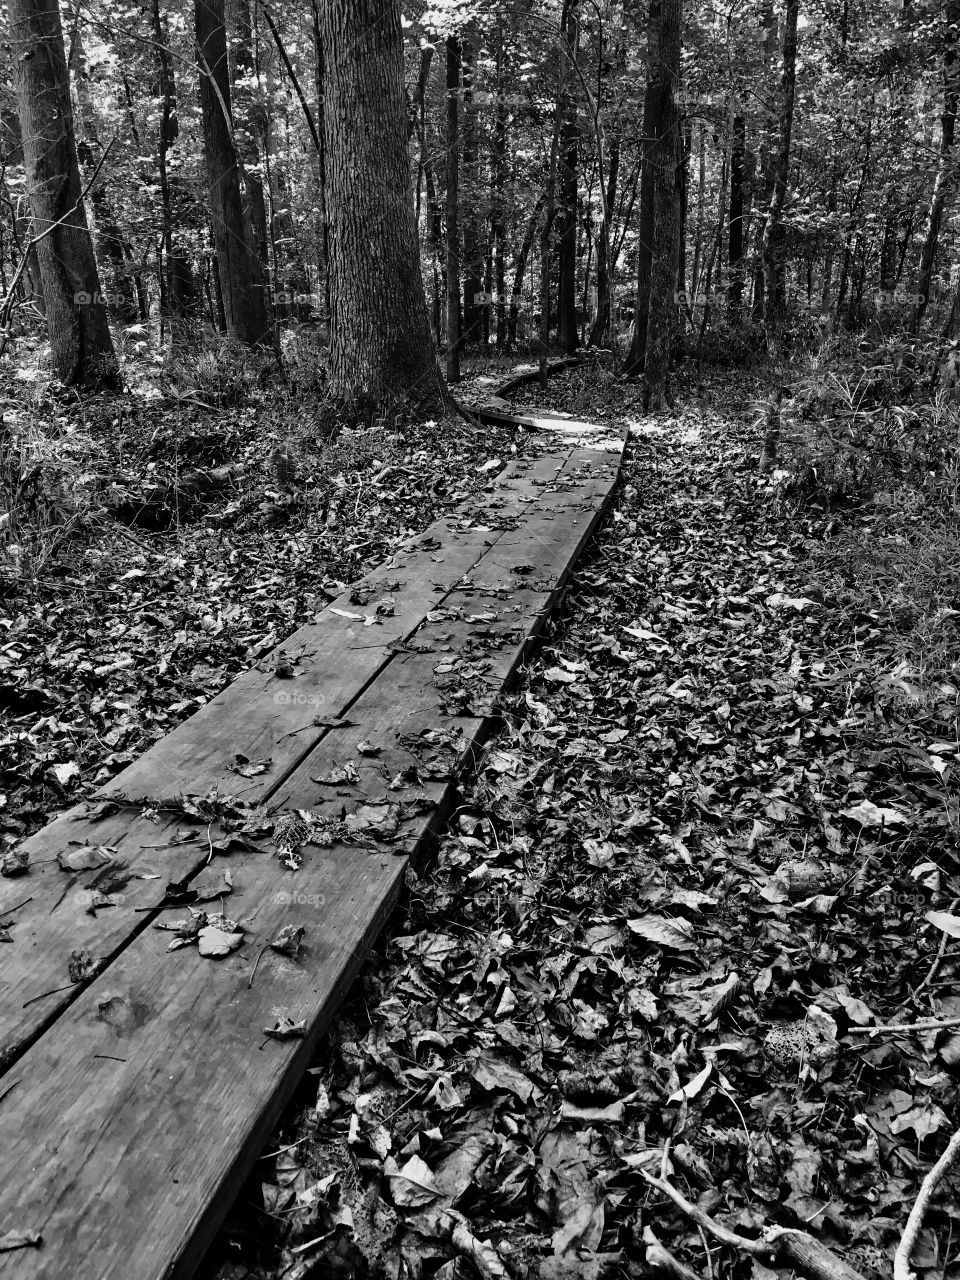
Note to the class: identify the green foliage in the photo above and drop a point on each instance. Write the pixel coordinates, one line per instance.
(43, 496)
(859, 422)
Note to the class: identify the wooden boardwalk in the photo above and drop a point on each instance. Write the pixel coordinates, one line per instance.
(137, 1085)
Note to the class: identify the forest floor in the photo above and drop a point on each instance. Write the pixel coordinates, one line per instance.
(694, 870)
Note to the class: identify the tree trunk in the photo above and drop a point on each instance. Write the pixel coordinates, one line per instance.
(520, 270)
(772, 243)
(251, 132)
(600, 333)
(80, 339)
(569, 139)
(945, 167)
(453, 208)
(638, 346)
(735, 245)
(241, 275)
(178, 289)
(666, 217)
(550, 200)
(381, 353)
(473, 306)
(121, 299)
(767, 163)
(498, 210)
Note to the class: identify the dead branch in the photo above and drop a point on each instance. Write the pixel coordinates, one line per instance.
(925, 1024)
(928, 1189)
(779, 1245)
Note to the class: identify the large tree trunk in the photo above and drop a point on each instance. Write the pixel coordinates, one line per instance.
(241, 274)
(666, 217)
(80, 339)
(453, 208)
(772, 243)
(638, 345)
(381, 353)
(946, 165)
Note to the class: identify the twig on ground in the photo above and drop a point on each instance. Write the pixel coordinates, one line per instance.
(780, 1245)
(937, 961)
(928, 1189)
(925, 1024)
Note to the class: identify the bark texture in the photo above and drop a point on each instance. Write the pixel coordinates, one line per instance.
(76, 316)
(381, 353)
(241, 274)
(666, 218)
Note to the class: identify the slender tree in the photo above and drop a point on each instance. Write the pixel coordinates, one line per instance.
(76, 317)
(569, 139)
(381, 352)
(946, 167)
(771, 245)
(735, 246)
(240, 271)
(454, 61)
(651, 127)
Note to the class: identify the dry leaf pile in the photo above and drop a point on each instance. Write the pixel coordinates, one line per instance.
(713, 847)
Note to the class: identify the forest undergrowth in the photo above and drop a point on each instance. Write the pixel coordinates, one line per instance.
(689, 887)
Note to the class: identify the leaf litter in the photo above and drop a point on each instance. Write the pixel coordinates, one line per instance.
(710, 853)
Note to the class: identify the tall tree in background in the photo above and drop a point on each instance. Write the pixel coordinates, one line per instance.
(113, 246)
(381, 350)
(738, 148)
(946, 167)
(473, 307)
(76, 317)
(650, 131)
(569, 140)
(666, 214)
(240, 271)
(771, 247)
(454, 60)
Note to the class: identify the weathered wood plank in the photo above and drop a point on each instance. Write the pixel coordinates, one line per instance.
(260, 715)
(130, 1124)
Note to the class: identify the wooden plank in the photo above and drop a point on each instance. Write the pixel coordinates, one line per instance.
(260, 715)
(130, 1125)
